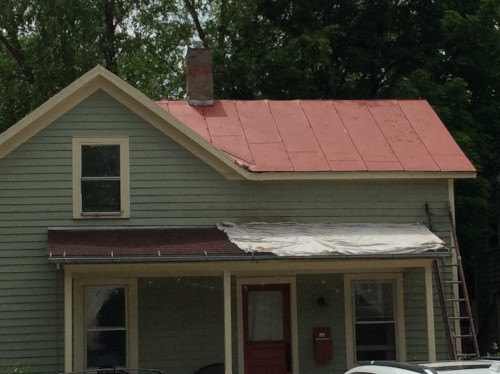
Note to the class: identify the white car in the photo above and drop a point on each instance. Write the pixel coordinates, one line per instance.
(481, 366)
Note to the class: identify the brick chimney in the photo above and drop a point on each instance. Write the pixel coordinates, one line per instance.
(199, 76)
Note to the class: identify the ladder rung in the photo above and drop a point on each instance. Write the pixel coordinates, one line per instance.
(462, 336)
(459, 318)
(453, 282)
(455, 300)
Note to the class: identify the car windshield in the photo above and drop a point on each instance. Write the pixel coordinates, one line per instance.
(465, 367)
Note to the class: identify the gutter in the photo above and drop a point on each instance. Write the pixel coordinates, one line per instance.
(247, 258)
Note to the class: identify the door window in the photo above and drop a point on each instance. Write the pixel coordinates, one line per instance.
(265, 315)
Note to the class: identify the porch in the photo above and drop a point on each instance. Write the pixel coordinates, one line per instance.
(180, 316)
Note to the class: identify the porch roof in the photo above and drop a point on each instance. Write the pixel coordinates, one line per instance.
(139, 242)
(74, 245)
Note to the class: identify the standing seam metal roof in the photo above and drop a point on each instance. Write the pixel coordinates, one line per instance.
(326, 135)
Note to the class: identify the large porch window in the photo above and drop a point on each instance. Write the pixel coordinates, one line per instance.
(374, 320)
(374, 317)
(105, 333)
(105, 326)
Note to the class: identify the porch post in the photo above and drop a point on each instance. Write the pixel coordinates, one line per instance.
(228, 354)
(429, 303)
(68, 321)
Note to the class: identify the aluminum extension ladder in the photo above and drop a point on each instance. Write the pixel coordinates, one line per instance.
(455, 306)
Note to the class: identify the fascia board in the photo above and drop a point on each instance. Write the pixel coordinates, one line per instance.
(358, 175)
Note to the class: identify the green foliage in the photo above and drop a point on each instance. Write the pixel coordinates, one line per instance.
(493, 350)
(45, 45)
(16, 368)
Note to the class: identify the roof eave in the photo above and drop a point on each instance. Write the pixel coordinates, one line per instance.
(356, 175)
(243, 257)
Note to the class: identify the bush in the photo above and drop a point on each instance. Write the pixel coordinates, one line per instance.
(16, 368)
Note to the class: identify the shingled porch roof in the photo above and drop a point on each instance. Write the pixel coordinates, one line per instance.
(156, 244)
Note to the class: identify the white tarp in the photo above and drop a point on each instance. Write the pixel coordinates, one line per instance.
(308, 239)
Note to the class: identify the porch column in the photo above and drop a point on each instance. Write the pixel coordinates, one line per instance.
(429, 303)
(228, 354)
(68, 321)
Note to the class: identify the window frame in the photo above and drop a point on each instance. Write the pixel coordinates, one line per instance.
(123, 143)
(397, 279)
(131, 319)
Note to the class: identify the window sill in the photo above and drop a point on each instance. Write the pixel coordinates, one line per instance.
(109, 215)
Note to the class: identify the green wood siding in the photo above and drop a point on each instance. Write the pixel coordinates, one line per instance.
(181, 323)
(415, 315)
(169, 188)
(309, 288)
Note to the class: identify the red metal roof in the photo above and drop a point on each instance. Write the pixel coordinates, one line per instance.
(70, 244)
(326, 135)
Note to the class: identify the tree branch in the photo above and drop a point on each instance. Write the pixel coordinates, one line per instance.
(17, 53)
(109, 44)
(192, 12)
(222, 23)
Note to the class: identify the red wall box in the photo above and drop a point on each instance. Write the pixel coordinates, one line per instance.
(323, 347)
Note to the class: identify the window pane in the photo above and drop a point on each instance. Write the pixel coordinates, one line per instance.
(104, 307)
(106, 348)
(100, 160)
(101, 196)
(375, 327)
(374, 301)
(265, 315)
(375, 341)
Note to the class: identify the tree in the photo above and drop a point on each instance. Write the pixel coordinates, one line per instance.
(45, 45)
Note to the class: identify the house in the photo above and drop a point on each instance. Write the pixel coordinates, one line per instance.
(272, 236)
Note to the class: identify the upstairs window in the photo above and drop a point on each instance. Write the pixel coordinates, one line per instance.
(101, 178)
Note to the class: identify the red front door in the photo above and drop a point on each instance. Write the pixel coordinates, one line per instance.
(266, 329)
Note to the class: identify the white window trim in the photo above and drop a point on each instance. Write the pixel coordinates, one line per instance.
(349, 313)
(131, 319)
(293, 316)
(123, 142)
